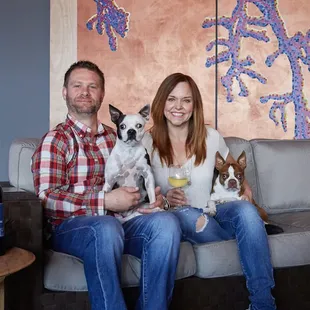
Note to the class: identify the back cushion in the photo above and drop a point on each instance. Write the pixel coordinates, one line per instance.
(236, 146)
(20, 174)
(283, 174)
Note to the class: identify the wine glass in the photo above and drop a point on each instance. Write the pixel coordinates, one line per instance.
(179, 177)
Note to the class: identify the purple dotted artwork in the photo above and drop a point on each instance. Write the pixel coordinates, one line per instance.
(295, 48)
(110, 18)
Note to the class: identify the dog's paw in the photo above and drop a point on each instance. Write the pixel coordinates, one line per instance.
(211, 208)
(212, 212)
(152, 196)
(106, 187)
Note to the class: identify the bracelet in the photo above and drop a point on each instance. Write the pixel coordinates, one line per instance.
(166, 203)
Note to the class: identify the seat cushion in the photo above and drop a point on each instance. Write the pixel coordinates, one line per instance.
(283, 174)
(64, 272)
(291, 248)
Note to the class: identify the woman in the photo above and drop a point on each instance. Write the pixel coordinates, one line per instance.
(179, 137)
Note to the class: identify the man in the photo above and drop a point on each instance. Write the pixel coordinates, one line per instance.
(68, 169)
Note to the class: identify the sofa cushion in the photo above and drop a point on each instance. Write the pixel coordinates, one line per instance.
(236, 146)
(283, 174)
(291, 248)
(64, 272)
(20, 154)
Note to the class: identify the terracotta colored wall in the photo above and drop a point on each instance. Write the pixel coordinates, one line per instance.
(164, 37)
(167, 36)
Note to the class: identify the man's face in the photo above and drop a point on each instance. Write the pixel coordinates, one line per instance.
(84, 93)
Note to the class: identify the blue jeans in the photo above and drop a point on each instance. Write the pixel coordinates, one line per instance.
(236, 220)
(100, 242)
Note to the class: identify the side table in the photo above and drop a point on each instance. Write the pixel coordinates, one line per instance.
(14, 260)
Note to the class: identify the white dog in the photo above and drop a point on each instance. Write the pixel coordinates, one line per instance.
(129, 163)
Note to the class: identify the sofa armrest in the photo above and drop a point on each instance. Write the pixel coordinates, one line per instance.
(25, 213)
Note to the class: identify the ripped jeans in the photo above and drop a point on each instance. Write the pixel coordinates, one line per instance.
(236, 220)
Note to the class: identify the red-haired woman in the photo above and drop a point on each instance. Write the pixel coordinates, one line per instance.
(180, 137)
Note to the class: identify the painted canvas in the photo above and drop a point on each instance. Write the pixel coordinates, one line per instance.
(263, 68)
(249, 58)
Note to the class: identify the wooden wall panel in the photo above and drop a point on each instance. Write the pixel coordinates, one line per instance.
(63, 52)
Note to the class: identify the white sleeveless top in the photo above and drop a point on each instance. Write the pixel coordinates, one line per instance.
(198, 193)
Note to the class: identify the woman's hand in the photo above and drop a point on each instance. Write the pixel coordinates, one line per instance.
(176, 197)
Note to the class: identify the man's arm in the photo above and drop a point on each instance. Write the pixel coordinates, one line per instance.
(50, 176)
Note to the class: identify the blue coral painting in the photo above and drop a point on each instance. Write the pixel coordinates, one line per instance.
(240, 25)
(110, 18)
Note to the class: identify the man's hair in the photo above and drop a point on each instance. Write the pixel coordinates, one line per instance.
(196, 138)
(84, 64)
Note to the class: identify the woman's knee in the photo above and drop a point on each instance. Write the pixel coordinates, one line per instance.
(247, 211)
(192, 218)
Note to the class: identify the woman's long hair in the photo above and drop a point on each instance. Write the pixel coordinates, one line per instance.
(196, 138)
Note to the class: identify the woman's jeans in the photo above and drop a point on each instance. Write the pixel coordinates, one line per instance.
(100, 242)
(239, 220)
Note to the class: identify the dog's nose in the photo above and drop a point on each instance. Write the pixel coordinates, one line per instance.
(131, 133)
(232, 183)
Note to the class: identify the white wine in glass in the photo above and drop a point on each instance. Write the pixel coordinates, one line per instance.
(178, 176)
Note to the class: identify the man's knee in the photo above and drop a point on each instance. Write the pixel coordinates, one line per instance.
(107, 227)
(166, 223)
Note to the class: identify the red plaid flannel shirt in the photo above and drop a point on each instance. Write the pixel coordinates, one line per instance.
(68, 170)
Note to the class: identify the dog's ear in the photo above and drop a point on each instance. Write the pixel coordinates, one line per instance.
(145, 112)
(242, 160)
(115, 113)
(219, 161)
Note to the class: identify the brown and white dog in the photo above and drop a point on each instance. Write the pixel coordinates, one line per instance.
(228, 186)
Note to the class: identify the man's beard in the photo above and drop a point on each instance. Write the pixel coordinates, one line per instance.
(80, 109)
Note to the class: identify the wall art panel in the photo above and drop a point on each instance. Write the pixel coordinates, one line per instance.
(250, 58)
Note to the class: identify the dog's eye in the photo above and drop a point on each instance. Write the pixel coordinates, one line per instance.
(239, 176)
(225, 176)
(139, 126)
(122, 126)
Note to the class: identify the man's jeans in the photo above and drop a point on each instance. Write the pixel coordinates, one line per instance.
(100, 242)
(240, 220)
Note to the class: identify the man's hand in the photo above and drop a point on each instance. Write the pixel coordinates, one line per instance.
(121, 199)
(159, 203)
(176, 197)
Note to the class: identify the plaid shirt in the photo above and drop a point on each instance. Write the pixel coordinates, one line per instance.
(68, 170)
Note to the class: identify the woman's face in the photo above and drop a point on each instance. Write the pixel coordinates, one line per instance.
(179, 105)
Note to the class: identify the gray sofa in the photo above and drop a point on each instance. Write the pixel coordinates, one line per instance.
(278, 172)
